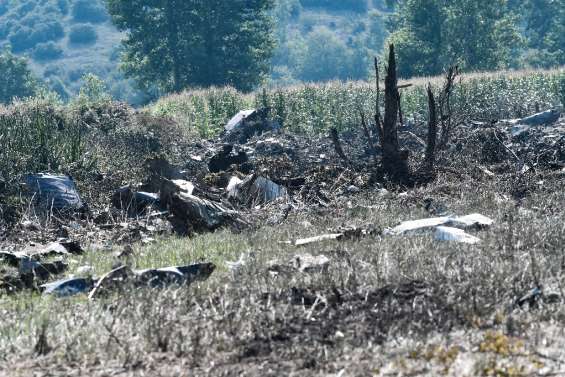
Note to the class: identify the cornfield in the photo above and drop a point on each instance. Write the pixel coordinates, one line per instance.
(312, 108)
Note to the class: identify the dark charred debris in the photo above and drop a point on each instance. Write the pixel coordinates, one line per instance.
(257, 173)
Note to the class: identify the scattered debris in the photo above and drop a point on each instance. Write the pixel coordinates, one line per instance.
(12, 259)
(191, 214)
(57, 192)
(474, 220)
(237, 266)
(246, 124)
(228, 156)
(61, 248)
(111, 281)
(161, 277)
(537, 295)
(305, 263)
(42, 270)
(255, 190)
(134, 201)
(539, 119)
(310, 263)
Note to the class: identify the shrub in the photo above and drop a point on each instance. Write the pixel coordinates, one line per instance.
(83, 34)
(63, 6)
(24, 38)
(16, 79)
(3, 8)
(89, 11)
(47, 51)
(359, 6)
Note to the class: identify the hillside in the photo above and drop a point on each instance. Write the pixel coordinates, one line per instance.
(65, 39)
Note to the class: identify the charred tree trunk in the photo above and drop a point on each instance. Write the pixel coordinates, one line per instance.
(394, 161)
(334, 136)
(432, 133)
(378, 120)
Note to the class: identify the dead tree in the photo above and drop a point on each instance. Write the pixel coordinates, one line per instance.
(378, 119)
(444, 106)
(334, 136)
(432, 134)
(394, 161)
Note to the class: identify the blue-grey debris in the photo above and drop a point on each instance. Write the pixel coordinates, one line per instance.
(160, 277)
(54, 191)
(127, 198)
(537, 295)
(114, 279)
(67, 287)
(255, 190)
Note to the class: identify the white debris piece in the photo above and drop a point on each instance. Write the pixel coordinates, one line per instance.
(472, 220)
(446, 233)
(184, 186)
(415, 226)
(311, 263)
(234, 181)
(237, 119)
(465, 222)
(85, 270)
(244, 260)
(324, 237)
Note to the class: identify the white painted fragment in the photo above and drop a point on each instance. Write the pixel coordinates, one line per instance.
(464, 222)
(445, 233)
(323, 237)
(234, 181)
(185, 186)
(474, 219)
(414, 226)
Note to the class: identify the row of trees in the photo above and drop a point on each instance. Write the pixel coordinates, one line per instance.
(171, 45)
(178, 44)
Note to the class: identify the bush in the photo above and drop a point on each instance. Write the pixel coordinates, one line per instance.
(24, 38)
(89, 11)
(47, 51)
(359, 6)
(83, 34)
(63, 6)
(16, 79)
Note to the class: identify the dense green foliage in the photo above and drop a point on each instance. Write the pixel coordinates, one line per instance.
(477, 34)
(16, 79)
(474, 34)
(322, 40)
(545, 30)
(187, 43)
(350, 5)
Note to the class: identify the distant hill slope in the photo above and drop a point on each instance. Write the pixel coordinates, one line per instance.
(65, 39)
